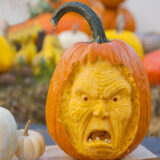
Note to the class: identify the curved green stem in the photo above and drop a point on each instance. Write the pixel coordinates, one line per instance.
(91, 17)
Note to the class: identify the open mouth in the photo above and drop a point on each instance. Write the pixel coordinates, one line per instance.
(101, 136)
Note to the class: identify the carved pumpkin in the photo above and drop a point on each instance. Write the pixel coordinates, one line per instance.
(98, 103)
(71, 19)
(151, 63)
(110, 19)
(112, 3)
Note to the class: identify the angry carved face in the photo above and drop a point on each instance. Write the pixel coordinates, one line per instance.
(96, 110)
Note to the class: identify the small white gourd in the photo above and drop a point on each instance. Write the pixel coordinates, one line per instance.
(8, 136)
(31, 144)
(68, 38)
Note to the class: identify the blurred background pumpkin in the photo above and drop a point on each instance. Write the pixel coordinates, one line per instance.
(151, 63)
(6, 55)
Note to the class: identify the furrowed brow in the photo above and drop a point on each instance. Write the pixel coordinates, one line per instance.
(79, 90)
(114, 89)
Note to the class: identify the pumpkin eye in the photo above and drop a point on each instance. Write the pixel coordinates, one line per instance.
(116, 98)
(85, 97)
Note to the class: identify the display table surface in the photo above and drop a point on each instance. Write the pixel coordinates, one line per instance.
(55, 153)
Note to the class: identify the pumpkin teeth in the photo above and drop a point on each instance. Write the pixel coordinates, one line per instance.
(89, 140)
(97, 138)
(100, 136)
(109, 141)
(106, 140)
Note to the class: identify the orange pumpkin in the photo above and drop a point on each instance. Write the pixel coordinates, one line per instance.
(39, 20)
(110, 19)
(70, 19)
(115, 53)
(151, 63)
(112, 3)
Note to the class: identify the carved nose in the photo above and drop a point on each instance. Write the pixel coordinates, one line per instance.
(101, 114)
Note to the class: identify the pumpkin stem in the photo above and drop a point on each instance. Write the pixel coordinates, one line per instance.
(26, 128)
(75, 28)
(120, 23)
(85, 11)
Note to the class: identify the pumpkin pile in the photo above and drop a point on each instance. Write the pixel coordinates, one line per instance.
(48, 56)
(34, 45)
(34, 48)
(29, 40)
(38, 45)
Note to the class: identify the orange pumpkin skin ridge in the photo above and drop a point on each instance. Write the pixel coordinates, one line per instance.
(116, 52)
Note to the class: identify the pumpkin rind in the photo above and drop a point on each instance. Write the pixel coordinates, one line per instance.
(116, 52)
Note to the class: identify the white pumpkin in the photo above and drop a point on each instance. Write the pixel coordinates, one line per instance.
(68, 38)
(31, 144)
(8, 136)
